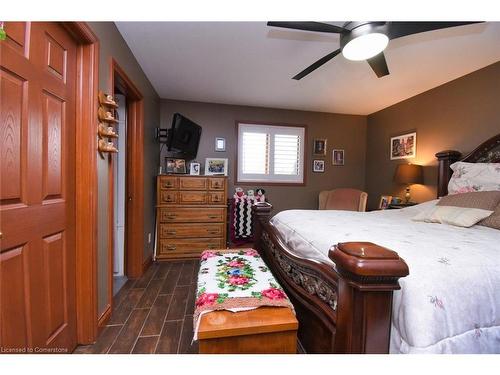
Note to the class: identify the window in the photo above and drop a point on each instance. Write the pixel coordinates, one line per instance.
(271, 153)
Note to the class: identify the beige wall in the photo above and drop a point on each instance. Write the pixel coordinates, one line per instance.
(458, 115)
(342, 131)
(113, 45)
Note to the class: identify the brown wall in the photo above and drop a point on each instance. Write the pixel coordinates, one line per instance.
(458, 115)
(112, 45)
(342, 131)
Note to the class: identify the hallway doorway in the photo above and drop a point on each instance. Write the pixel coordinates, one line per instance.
(119, 201)
(126, 188)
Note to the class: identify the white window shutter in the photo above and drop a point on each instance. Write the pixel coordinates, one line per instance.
(286, 154)
(255, 153)
(270, 153)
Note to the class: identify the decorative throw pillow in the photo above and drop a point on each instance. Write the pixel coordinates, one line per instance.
(458, 216)
(462, 210)
(470, 177)
(485, 200)
(492, 221)
(425, 216)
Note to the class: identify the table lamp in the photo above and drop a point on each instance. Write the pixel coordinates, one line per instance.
(409, 174)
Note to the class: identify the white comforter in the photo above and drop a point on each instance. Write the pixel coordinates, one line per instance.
(450, 302)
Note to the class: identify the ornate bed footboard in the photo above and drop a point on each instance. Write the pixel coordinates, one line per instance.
(342, 307)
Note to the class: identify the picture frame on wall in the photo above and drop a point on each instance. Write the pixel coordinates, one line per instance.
(404, 146)
(318, 166)
(220, 144)
(194, 169)
(338, 157)
(319, 147)
(216, 166)
(385, 201)
(176, 165)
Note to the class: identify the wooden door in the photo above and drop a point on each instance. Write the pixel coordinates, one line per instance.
(37, 196)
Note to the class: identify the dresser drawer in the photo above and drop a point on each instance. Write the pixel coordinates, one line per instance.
(191, 245)
(193, 197)
(168, 197)
(192, 230)
(216, 183)
(216, 197)
(190, 215)
(169, 182)
(193, 183)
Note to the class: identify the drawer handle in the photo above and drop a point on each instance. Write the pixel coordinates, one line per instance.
(213, 231)
(168, 184)
(171, 216)
(169, 199)
(216, 184)
(171, 247)
(213, 216)
(216, 198)
(212, 246)
(171, 232)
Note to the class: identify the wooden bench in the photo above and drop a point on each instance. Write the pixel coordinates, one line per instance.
(266, 330)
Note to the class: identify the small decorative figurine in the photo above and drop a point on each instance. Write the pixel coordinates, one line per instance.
(251, 194)
(104, 146)
(239, 193)
(107, 100)
(106, 131)
(260, 195)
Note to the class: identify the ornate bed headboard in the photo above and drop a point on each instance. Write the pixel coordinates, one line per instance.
(487, 152)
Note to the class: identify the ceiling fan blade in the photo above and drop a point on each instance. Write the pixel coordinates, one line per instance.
(310, 26)
(316, 65)
(400, 29)
(379, 65)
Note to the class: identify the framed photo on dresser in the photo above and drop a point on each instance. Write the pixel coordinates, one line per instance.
(216, 166)
(194, 169)
(176, 165)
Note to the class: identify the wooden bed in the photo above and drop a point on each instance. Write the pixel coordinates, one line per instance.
(347, 308)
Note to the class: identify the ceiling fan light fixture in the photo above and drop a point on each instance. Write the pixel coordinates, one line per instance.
(365, 46)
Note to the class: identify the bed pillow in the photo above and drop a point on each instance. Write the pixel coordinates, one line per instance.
(462, 210)
(458, 216)
(492, 221)
(485, 200)
(470, 177)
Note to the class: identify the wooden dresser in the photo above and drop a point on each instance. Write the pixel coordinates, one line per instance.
(191, 215)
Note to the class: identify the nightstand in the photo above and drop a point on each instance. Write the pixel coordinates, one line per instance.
(400, 205)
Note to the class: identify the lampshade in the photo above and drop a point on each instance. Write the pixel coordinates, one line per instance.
(409, 174)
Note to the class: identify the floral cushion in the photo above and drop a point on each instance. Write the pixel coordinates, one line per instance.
(470, 177)
(235, 280)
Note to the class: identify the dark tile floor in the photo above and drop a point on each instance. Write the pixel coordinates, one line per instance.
(153, 314)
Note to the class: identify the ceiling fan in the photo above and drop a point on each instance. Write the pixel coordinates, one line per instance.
(364, 40)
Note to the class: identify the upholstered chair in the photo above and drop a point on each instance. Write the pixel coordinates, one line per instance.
(343, 199)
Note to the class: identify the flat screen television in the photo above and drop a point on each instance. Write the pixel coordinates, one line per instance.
(184, 137)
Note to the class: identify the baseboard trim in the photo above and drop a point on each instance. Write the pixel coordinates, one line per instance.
(103, 319)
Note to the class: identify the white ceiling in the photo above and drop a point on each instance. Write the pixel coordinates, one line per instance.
(248, 63)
